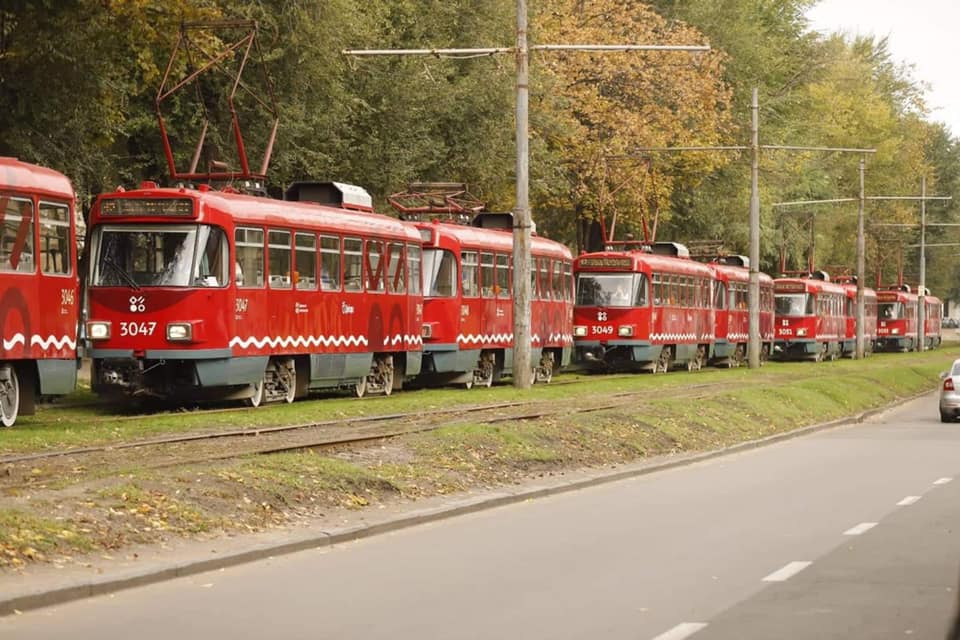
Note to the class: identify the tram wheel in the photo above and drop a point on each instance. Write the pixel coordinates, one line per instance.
(737, 358)
(360, 389)
(9, 395)
(696, 362)
(662, 365)
(385, 369)
(256, 399)
(544, 372)
(288, 376)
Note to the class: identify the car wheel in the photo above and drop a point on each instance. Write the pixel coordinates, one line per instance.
(945, 417)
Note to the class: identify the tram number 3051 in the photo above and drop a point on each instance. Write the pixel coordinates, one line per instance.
(137, 328)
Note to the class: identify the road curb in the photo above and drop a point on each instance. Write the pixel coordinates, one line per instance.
(94, 587)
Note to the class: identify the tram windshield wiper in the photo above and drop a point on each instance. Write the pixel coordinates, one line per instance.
(126, 277)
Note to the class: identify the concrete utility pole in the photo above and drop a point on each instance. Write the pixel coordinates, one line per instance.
(754, 339)
(522, 221)
(859, 348)
(922, 288)
(753, 295)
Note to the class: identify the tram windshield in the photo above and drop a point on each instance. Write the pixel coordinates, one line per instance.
(160, 256)
(890, 310)
(793, 304)
(611, 290)
(439, 273)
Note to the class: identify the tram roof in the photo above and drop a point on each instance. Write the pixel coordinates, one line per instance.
(249, 209)
(640, 261)
(16, 175)
(492, 239)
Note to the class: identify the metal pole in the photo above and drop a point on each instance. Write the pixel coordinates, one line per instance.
(921, 303)
(753, 343)
(521, 216)
(861, 250)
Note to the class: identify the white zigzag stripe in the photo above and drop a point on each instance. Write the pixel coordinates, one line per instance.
(14, 341)
(45, 343)
(406, 339)
(478, 339)
(299, 341)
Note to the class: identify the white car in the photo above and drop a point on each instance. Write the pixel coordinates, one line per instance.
(950, 393)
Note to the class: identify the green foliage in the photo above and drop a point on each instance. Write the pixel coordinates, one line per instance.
(79, 79)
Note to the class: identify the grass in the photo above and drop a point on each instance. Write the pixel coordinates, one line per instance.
(679, 412)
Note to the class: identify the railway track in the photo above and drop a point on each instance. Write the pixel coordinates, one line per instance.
(31, 470)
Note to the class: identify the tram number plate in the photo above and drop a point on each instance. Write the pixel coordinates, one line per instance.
(783, 331)
(602, 331)
(137, 328)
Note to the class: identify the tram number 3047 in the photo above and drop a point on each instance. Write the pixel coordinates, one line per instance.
(137, 328)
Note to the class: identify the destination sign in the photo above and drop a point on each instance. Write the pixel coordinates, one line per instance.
(605, 262)
(147, 207)
(887, 296)
(784, 287)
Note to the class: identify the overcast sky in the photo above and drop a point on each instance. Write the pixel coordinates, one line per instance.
(923, 33)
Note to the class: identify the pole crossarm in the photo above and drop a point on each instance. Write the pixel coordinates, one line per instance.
(913, 198)
(787, 147)
(806, 202)
(490, 51)
(936, 244)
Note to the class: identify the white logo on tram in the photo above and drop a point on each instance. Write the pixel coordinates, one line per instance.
(346, 309)
(602, 316)
(138, 304)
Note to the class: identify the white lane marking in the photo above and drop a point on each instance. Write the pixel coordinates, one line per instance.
(943, 481)
(788, 571)
(863, 527)
(681, 631)
(908, 501)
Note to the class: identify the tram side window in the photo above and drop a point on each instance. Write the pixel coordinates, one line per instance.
(657, 289)
(353, 264)
(557, 280)
(414, 269)
(374, 266)
(249, 266)
(55, 238)
(487, 275)
(503, 276)
(568, 281)
(305, 277)
(395, 275)
(534, 288)
(544, 278)
(211, 269)
(469, 279)
(278, 247)
(16, 243)
(329, 263)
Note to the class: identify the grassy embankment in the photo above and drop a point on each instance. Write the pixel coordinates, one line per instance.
(679, 412)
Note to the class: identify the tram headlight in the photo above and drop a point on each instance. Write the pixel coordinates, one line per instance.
(801, 332)
(895, 331)
(626, 331)
(98, 330)
(579, 331)
(426, 331)
(179, 331)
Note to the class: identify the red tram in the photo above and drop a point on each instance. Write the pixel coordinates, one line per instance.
(896, 319)
(810, 318)
(38, 287)
(732, 319)
(933, 319)
(215, 294)
(869, 318)
(644, 307)
(468, 302)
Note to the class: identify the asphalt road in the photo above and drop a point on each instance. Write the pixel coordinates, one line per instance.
(849, 533)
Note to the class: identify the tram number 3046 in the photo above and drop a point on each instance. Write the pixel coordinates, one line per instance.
(137, 328)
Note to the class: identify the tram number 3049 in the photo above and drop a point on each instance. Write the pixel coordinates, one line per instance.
(137, 328)
(602, 330)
